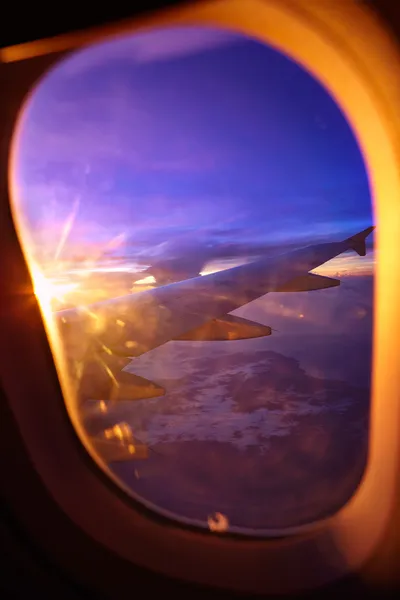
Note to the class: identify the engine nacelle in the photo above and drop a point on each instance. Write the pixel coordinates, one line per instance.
(308, 283)
(226, 328)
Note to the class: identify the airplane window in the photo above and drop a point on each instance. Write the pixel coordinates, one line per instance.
(197, 219)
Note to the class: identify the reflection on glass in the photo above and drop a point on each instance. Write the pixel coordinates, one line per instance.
(198, 220)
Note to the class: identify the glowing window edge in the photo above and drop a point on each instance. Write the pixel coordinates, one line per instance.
(369, 108)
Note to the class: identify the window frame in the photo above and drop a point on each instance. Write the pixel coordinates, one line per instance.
(350, 53)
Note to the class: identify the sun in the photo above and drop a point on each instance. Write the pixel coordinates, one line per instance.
(49, 290)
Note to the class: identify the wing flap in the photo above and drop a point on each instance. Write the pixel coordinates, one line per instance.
(226, 328)
(101, 378)
(308, 283)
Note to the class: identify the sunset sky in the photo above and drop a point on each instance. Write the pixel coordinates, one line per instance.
(190, 142)
(183, 132)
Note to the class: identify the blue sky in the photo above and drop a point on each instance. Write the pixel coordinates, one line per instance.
(166, 133)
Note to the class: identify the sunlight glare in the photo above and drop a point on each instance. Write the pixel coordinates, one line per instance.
(146, 280)
(48, 290)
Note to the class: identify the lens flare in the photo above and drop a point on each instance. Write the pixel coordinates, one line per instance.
(50, 291)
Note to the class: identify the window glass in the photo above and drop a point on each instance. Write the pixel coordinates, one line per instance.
(188, 199)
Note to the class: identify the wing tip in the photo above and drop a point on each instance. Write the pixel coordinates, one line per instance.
(357, 242)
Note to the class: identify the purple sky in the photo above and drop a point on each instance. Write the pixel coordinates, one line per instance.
(176, 131)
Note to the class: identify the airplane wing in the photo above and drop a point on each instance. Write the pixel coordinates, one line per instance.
(103, 338)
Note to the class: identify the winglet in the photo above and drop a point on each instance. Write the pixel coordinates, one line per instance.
(357, 242)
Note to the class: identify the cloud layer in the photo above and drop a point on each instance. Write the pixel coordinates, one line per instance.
(163, 133)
